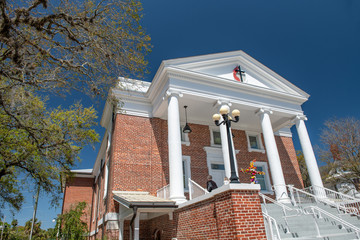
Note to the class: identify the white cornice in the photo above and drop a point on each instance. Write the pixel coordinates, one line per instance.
(226, 57)
(231, 85)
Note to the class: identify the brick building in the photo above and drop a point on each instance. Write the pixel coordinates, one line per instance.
(146, 180)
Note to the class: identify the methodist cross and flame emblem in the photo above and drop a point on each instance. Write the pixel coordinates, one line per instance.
(238, 74)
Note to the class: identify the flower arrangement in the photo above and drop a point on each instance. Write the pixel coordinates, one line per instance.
(252, 171)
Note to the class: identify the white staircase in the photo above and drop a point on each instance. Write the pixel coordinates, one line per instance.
(308, 219)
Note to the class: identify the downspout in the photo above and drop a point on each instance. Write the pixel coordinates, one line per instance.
(132, 221)
(98, 200)
(92, 210)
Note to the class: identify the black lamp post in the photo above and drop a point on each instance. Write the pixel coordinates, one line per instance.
(187, 128)
(224, 111)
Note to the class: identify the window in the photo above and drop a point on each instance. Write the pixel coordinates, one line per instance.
(215, 136)
(217, 166)
(254, 142)
(186, 172)
(184, 137)
(263, 180)
(106, 179)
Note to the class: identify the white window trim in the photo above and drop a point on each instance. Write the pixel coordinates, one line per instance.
(187, 161)
(212, 129)
(106, 178)
(186, 136)
(265, 168)
(258, 136)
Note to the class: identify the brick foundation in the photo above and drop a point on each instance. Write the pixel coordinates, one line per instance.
(228, 213)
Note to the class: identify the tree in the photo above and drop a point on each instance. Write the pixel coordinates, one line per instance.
(340, 151)
(70, 224)
(58, 47)
(303, 169)
(36, 230)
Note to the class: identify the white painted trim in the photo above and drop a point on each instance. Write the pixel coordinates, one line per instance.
(284, 132)
(224, 188)
(187, 160)
(100, 222)
(92, 233)
(265, 167)
(259, 140)
(213, 129)
(106, 178)
(111, 216)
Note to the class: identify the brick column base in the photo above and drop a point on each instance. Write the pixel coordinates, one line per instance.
(230, 212)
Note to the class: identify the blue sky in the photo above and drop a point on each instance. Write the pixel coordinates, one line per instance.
(313, 44)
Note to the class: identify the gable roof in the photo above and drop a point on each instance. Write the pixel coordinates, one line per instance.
(221, 66)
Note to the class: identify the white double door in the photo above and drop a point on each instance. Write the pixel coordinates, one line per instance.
(215, 163)
(218, 175)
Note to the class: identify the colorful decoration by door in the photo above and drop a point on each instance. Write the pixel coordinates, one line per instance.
(252, 171)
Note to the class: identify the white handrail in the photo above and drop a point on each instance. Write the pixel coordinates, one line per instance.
(335, 218)
(283, 206)
(272, 222)
(348, 203)
(195, 190)
(164, 192)
(341, 206)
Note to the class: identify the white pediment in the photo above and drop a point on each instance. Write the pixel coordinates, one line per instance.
(222, 65)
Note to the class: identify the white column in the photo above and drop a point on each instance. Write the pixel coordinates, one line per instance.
(224, 145)
(273, 156)
(174, 144)
(137, 226)
(309, 156)
(121, 229)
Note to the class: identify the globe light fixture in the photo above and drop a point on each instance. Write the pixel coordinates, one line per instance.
(227, 119)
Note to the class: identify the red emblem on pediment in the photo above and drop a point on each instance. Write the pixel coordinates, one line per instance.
(237, 73)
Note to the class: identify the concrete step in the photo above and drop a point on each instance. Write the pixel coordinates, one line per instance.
(304, 227)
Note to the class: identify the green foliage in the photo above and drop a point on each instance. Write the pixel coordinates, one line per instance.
(303, 169)
(340, 151)
(39, 143)
(55, 47)
(70, 224)
(14, 232)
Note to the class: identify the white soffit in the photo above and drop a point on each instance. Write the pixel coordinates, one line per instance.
(221, 65)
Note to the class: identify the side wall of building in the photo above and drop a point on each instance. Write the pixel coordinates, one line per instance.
(79, 189)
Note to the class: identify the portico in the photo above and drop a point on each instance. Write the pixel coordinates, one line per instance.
(268, 104)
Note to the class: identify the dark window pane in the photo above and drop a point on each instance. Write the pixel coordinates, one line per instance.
(218, 166)
(217, 138)
(253, 142)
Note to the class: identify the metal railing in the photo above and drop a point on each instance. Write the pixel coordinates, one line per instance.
(347, 203)
(280, 205)
(317, 213)
(343, 203)
(285, 209)
(273, 233)
(164, 192)
(301, 196)
(195, 190)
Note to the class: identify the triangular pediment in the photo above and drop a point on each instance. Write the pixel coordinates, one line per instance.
(222, 66)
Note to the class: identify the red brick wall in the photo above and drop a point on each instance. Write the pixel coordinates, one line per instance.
(139, 157)
(234, 214)
(77, 190)
(140, 154)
